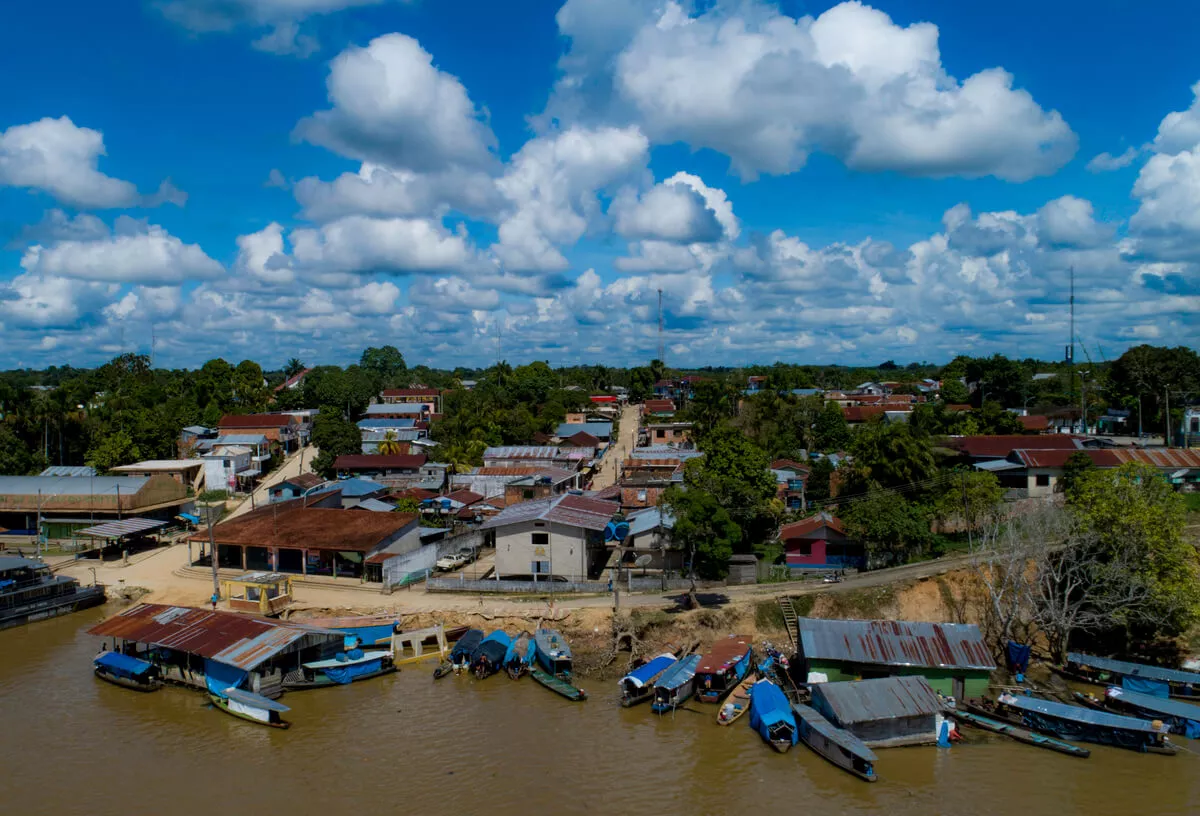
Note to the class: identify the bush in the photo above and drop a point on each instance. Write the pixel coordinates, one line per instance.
(212, 496)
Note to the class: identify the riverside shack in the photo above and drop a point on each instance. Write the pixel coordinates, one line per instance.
(952, 657)
(217, 650)
(883, 713)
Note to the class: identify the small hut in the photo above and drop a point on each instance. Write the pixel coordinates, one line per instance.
(883, 713)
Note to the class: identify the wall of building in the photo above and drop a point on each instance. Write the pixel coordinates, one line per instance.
(975, 682)
(565, 552)
(1042, 482)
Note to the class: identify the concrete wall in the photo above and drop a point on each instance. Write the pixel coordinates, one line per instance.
(566, 550)
(1037, 491)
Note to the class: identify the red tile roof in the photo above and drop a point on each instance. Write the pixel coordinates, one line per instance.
(379, 461)
(464, 496)
(861, 413)
(256, 421)
(998, 447)
(788, 464)
(808, 526)
(411, 392)
(656, 406)
(1034, 423)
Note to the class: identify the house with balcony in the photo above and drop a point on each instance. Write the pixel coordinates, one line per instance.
(281, 429)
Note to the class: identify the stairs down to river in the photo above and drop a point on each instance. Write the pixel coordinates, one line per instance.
(790, 620)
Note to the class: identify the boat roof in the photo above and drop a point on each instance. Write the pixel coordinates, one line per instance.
(12, 562)
(838, 736)
(646, 672)
(249, 698)
(1133, 669)
(499, 636)
(123, 663)
(1159, 705)
(724, 652)
(551, 643)
(1063, 711)
(334, 663)
(678, 674)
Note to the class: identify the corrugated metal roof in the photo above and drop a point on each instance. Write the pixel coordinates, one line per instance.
(117, 529)
(236, 640)
(1075, 713)
(884, 698)
(723, 653)
(575, 511)
(521, 452)
(375, 506)
(69, 470)
(71, 485)
(652, 518)
(359, 487)
(11, 562)
(838, 736)
(600, 430)
(240, 439)
(383, 423)
(1133, 669)
(164, 465)
(895, 643)
(1169, 707)
(396, 408)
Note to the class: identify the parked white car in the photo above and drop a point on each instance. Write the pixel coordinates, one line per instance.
(450, 562)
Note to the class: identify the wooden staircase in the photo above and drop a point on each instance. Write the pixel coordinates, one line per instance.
(790, 620)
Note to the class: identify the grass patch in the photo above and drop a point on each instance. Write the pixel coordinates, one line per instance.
(803, 604)
(768, 616)
(861, 603)
(1192, 502)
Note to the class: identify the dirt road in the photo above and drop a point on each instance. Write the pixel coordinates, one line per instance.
(294, 465)
(626, 441)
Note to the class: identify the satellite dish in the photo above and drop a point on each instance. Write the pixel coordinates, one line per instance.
(643, 561)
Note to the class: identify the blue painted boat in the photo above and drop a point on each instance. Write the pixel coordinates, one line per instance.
(460, 655)
(724, 666)
(521, 654)
(837, 745)
(676, 685)
(553, 652)
(1086, 725)
(488, 658)
(771, 716)
(1182, 718)
(638, 686)
(127, 672)
(1156, 680)
(347, 667)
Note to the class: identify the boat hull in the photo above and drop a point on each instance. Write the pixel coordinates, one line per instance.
(558, 685)
(274, 721)
(1020, 734)
(321, 681)
(125, 682)
(822, 737)
(85, 598)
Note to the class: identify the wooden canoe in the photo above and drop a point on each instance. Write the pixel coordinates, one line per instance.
(558, 685)
(1021, 734)
(738, 702)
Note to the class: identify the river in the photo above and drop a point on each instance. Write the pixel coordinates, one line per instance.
(72, 744)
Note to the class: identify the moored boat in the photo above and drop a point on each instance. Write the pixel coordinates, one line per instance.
(1020, 734)
(738, 702)
(676, 685)
(725, 664)
(362, 630)
(488, 657)
(837, 745)
(553, 653)
(1086, 725)
(30, 591)
(127, 671)
(771, 716)
(559, 685)
(347, 667)
(460, 655)
(638, 686)
(1137, 677)
(251, 707)
(1182, 718)
(520, 656)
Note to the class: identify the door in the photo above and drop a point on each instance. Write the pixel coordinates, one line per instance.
(959, 688)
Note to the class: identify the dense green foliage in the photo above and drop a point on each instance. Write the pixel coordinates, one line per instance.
(704, 529)
(334, 436)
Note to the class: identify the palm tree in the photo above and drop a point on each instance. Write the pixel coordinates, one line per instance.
(390, 446)
(293, 367)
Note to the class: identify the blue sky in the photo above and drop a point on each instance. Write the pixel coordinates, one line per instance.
(805, 182)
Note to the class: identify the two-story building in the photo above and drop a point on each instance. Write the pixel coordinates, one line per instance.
(430, 398)
(283, 429)
(561, 536)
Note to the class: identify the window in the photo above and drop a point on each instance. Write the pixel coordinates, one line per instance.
(527, 493)
(539, 567)
(660, 434)
(804, 547)
(641, 495)
(540, 539)
(1043, 480)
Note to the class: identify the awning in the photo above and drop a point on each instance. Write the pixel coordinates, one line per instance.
(120, 529)
(194, 519)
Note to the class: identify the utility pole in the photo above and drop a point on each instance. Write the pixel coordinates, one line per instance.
(1083, 401)
(212, 553)
(661, 350)
(1071, 340)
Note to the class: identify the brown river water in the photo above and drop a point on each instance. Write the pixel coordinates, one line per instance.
(71, 744)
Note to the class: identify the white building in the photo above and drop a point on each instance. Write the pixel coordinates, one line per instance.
(223, 466)
(561, 536)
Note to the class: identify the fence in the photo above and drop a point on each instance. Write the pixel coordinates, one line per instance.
(415, 566)
(546, 587)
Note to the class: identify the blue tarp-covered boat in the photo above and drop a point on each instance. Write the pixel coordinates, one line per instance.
(520, 656)
(460, 655)
(837, 745)
(1155, 680)
(553, 652)
(1087, 725)
(1182, 718)
(127, 672)
(676, 685)
(346, 668)
(489, 657)
(638, 685)
(771, 716)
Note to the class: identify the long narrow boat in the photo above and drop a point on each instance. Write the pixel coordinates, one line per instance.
(837, 745)
(460, 655)
(521, 654)
(488, 658)
(1085, 725)
(348, 667)
(737, 703)
(1104, 671)
(728, 661)
(251, 707)
(676, 685)
(553, 653)
(771, 716)
(1182, 718)
(1020, 734)
(127, 671)
(638, 686)
(559, 685)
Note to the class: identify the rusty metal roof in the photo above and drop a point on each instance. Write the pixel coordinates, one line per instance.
(895, 643)
(227, 637)
(722, 653)
(575, 511)
(885, 698)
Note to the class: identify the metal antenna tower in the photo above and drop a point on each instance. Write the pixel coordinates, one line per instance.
(661, 354)
(1071, 340)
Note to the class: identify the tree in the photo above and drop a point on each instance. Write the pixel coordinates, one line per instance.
(705, 529)
(891, 528)
(1078, 464)
(889, 455)
(831, 433)
(712, 403)
(293, 367)
(817, 486)
(972, 496)
(991, 418)
(390, 445)
(15, 456)
(954, 392)
(1140, 377)
(533, 382)
(334, 436)
(111, 450)
(408, 505)
(735, 472)
(386, 363)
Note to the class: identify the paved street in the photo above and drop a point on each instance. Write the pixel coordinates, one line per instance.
(626, 440)
(294, 465)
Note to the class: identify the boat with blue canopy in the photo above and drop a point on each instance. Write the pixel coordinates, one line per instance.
(460, 655)
(347, 667)
(1156, 680)
(127, 671)
(553, 652)
(638, 686)
(724, 666)
(1080, 724)
(771, 716)
(676, 685)
(1182, 718)
(251, 707)
(837, 745)
(488, 658)
(520, 656)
